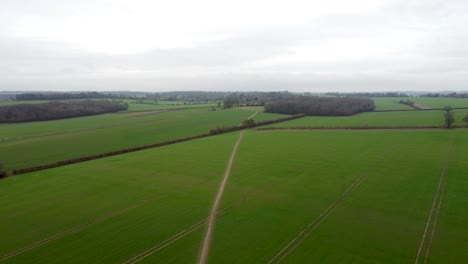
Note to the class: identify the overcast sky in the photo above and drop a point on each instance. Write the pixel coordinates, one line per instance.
(316, 46)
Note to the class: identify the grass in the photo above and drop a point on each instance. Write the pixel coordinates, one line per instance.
(178, 183)
(390, 103)
(122, 131)
(410, 118)
(380, 222)
(441, 102)
(134, 106)
(290, 177)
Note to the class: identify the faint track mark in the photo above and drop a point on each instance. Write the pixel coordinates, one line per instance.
(297, 240)
(431, 223)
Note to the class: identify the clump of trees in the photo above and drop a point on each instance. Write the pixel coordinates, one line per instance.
(321, 106)
(56, 110)
(248, 122)
(448, 116)
(407, 102)
(3, 173)
(465, 118)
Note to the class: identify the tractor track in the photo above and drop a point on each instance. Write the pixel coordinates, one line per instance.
(304, 233)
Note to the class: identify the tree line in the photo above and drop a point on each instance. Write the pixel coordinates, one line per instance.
(65, 96)
(368, 95)
(56, 110)
(449, 95)
(321, 106)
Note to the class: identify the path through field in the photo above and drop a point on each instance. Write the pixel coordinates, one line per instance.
(214, 210)
(250, 117)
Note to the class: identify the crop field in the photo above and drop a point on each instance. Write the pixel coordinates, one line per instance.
(24, 144)
(441, 102)
(391, 103)
(286, 201)
(409, 118)
(134, 106)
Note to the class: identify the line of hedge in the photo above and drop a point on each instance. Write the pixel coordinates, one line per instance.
(357, 127)
(420, 109)
(225, 129)
(164, 143)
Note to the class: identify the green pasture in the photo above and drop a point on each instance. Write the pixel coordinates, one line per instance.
(45, 142)
(390, 103)
(406, 118)
(164, 190)
(286, 180)
(135, 106)
(441, 102)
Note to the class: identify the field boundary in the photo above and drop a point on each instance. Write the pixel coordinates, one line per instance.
(426, 241)
(304, 233)
(419, 109)
(359, 128)
(212, 132)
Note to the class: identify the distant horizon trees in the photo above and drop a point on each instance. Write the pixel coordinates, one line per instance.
(56, 110)
(321, 106)
(65, 96)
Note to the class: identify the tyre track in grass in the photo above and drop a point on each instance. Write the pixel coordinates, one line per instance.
(72, 230)
(426, 241)
(304, 233)
(186, 231)
(214, 210)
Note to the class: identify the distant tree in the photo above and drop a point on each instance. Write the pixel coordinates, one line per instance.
(2, 171)
(231, 101)
(248, 122)
(448, 116)
(465, 118)
(219, 104)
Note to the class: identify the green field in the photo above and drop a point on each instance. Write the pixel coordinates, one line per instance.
(407, 118)
(389, 103)
(281, 181)
(441, 102)
(72, 138)
(293, 196)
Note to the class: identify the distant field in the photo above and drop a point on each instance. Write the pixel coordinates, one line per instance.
(281, 182)
(72, 138)
(132, 106)
(442, 102)
(391, 103)
(410, 118)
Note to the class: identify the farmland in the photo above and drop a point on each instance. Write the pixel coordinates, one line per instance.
(382, 119)
(292, 196)
(285, 186)
(23, 144)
